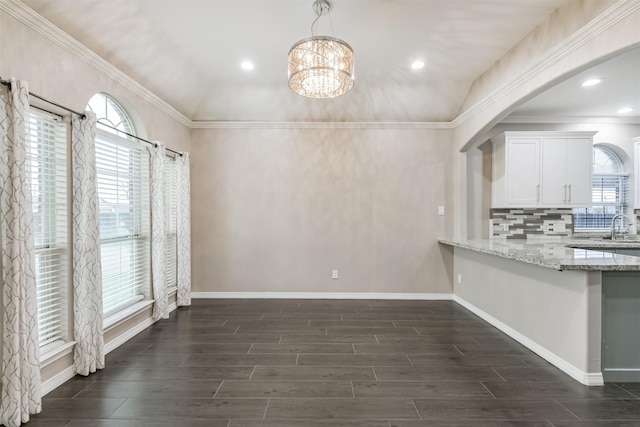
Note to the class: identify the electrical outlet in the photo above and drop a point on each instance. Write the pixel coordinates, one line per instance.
(505, 227)
(459, 279)
(334, 274)
(440, 210)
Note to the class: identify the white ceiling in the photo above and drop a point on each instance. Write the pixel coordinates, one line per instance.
(188, 52)
(568, 101)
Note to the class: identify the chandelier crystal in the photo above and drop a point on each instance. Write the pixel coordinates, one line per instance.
(321, 66)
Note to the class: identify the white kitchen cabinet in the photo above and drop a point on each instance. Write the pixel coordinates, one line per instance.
(542, 169)
(636, 172)
(566, 172)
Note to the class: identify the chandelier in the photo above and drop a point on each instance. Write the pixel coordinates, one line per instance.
(321, 66)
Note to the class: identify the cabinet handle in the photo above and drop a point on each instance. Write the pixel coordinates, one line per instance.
(565, 193)
(569, 192)
(538, 193)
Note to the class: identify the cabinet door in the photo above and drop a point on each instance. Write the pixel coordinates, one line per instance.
(523, 171)
(554, 190)
(620, 320)
(579, 171)
(636, 173)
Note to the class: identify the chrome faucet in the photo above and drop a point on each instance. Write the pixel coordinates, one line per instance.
(613, 224)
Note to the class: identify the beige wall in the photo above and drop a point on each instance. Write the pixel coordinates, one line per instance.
(275, 210)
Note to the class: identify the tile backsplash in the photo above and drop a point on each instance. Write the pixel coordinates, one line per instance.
(530, 223)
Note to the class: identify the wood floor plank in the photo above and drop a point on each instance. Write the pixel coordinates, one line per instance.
(81, 408)
(348, 409)
(353, 360)
(420, 389)
(211, 359)
(191, 408)
(279, 373)
(303, 348)
(440, 373)
(491, 409)
(555, 390)
(280, 389)
(604, 409)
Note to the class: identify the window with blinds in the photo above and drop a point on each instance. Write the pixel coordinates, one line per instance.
(123, 201)
(47, 174)
(610, 192)
(171, 241)
(122, 168)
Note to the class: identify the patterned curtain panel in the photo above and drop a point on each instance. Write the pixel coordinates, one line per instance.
(158, 233)
(184, 230)
(87, 274)
(20, 349)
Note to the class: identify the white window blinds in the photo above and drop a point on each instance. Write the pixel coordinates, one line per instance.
(609, 197)
(171, 244)
(47, 175)
(123, 202)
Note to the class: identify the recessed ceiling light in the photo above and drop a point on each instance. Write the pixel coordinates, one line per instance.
(417, 65)
(625, 110)
(246, 65)
(591, 82)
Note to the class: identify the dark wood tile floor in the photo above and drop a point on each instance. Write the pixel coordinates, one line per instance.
(319, 363)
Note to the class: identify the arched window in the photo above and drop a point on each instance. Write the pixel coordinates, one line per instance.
(111, 116)
(610, 192)
(123, 200)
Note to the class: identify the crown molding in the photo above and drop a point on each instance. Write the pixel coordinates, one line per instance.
(632, 120)
(593, 29)
(38, 23)
(317, 125)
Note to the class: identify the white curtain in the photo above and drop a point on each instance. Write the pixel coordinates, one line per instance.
(184, 230)
(87, 274)
(20, 346)
(158, 232)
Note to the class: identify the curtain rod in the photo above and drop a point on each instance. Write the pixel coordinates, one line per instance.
(82, 115)
(137, 137)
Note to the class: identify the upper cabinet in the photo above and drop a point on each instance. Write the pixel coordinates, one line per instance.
(636, 172)
(542, 169)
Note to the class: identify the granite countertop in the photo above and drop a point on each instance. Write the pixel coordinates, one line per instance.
(559, 254)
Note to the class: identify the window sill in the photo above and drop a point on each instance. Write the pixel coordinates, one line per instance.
(54, 352)
(123, 315)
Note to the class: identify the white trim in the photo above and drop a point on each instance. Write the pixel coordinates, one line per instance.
(135, 330)
(38, 23)
(321, 295)
(125, 314)
(586, 378)
(57, 380)
(631, 120)
(212, 124)
(126, 336)
(58, 352)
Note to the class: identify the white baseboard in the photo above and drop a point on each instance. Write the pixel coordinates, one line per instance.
(57, 380)
(586, 378)
(321, 295)
(132, 332)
